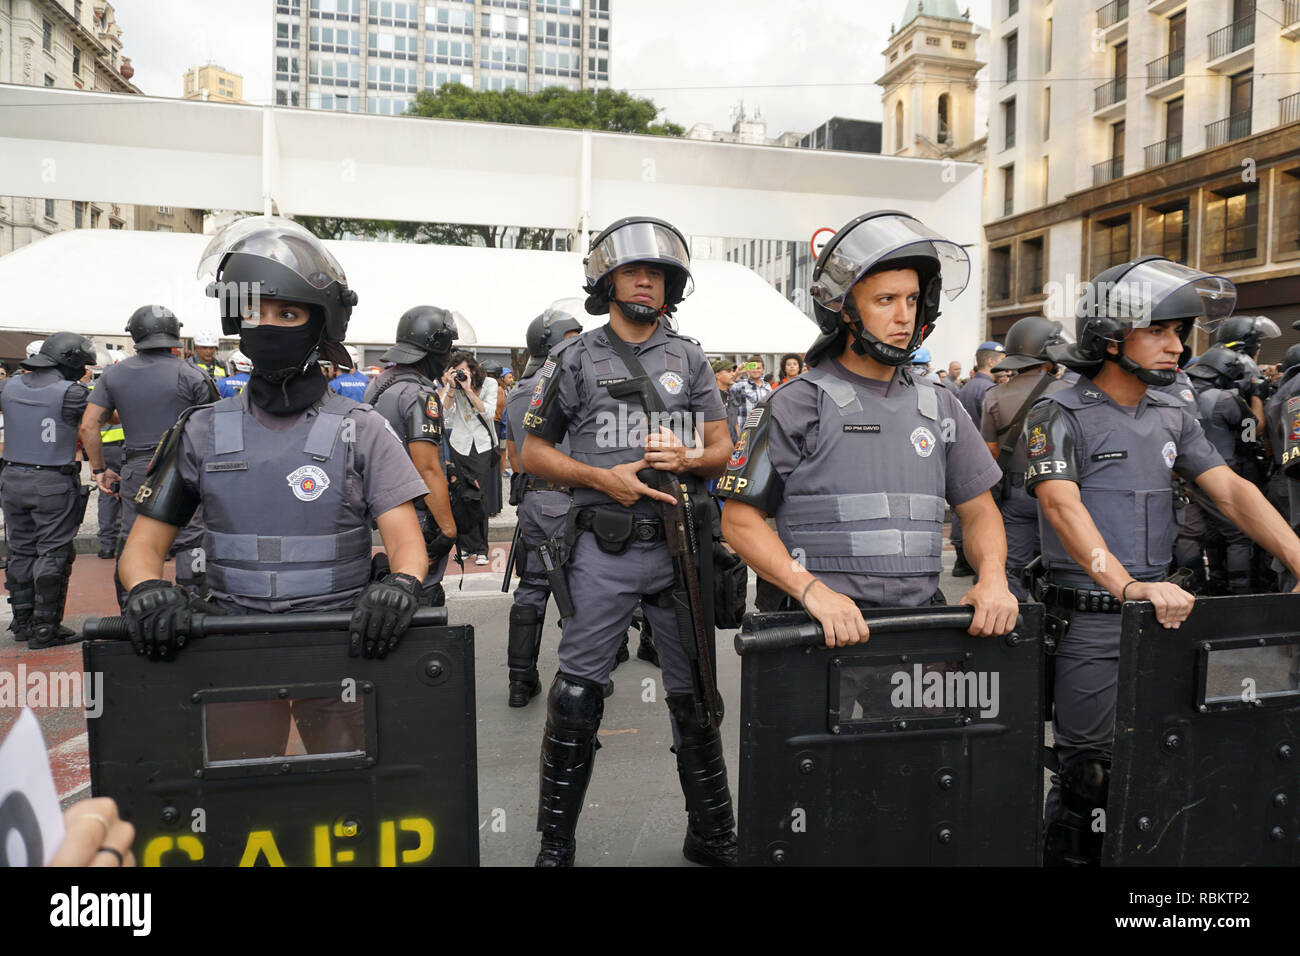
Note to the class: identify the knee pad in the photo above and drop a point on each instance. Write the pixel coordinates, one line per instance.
(575, 705)
(524, 616)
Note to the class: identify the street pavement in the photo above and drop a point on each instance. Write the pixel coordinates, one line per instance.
(634, 813)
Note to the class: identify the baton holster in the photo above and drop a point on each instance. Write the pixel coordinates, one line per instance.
(83, 494)
(553, 566)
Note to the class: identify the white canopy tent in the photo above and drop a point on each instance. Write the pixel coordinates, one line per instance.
(91, 280)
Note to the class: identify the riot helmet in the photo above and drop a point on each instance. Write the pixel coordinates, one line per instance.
(34, 347)
(422, 330)
(154, 327)
(637, 239)
(1290, 360)
(1133, 295)
(882, 241)
(1243, 333)
(1222, 367)
(69, 352)
(275, 258)
(549, 329)
(1027, 342)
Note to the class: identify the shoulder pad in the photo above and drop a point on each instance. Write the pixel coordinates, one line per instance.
(544, 417)
(750, 476)
(570, 342)
(170, 442)
(1049, 443)
(678, 335)
(164, 495)
(1160, 398)
(425, 422)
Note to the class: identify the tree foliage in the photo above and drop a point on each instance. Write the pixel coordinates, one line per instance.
(611, 111)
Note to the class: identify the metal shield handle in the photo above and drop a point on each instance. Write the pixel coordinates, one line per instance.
(206, 625)
(811, 635)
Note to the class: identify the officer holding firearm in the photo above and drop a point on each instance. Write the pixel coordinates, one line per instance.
(855, 458)
(406, 393)
(541, 506)
(1100, 456)
(599, 389)
(289, 474)
(44, 501)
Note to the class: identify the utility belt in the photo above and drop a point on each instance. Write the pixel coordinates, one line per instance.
(1057, 597)
(537, 484)
(73, 469)
(130, 454)
(614, 528)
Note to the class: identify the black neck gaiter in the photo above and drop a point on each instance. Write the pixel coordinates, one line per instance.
(286, 378)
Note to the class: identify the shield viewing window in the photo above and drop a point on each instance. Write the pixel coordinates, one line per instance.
(874, 695)
(1248, 672)
(250, 731)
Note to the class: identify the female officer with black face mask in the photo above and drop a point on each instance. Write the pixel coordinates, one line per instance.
(289, 473)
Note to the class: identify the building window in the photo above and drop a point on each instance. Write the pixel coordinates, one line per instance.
(898, 125)
(1008, 189)
(1047, 56)
(94, 218)
(1010, 48)
(47, 36)
(49, 209)
(1000, 274)
(1013, 7)
(1046, 166)
(1111, 241)
(1287, 205)
(1168, 230)
(76, 10)
(1232, 224)
(49, 80)
(78, 214)
(1031, 267)
(164, 210)
(1009, 123)
(945, 127)
(1047, 114)
(76, 61)
(959, 44)
(933, 41)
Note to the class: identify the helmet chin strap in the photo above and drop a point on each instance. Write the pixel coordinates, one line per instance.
(864, 343)
(635, 312)
(1147, 376)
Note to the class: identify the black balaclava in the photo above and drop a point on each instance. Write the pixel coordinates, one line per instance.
(285, 378)
(432, 365)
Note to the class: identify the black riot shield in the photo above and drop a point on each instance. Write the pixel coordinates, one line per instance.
(276, 748)
(920, 747)
(1206, 765)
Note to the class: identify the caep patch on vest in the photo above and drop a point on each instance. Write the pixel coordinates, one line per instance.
(738, 458)
(923, 441)
(862, 429)
(308, 482)
(672, 382)
(431, 407)
(1170, 452)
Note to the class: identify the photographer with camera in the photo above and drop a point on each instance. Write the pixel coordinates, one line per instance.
(469, 400)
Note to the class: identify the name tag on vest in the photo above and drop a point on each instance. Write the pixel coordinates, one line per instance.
(606, 382)
(1109, 455)
(862, 429)
(226, 466)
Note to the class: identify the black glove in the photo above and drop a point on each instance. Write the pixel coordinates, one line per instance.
(383, 614)
(439, 546)
(157, 617)
(517, 479)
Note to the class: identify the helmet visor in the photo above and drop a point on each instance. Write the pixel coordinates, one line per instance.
(572, 307)
(1136, 295)
(1266, 328)
(639, 242)
(279, 239)
(872, 240)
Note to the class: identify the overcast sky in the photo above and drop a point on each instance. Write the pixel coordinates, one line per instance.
(797, 61)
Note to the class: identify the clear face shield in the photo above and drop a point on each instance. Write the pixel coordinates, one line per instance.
(1137, 297)
(571, 307)
(638, 242)
(881, 237)
(274, 238)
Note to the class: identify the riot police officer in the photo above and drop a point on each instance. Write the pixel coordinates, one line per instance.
(971, 395)
(406, 394)
(541, 506)
(234, 383)
(289, 474)
(1003, 414)
(149, 391)
(637, 270)
(855, 458)
(204, 358)
(1100, 453)
(1217, 378)
(111, 439)
(1287, 385)
(44, 501)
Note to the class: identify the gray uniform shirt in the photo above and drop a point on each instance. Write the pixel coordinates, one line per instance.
(149, 391)
(972, 393)
(1001, 405)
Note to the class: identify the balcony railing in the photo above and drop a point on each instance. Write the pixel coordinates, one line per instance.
(1112, 168)
(1112, 13)
(1167, 67)
(1109, 93)
(1165, 151)
(1289, 106)
(1227, 130)
(1290, 12)
(1232, 38)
